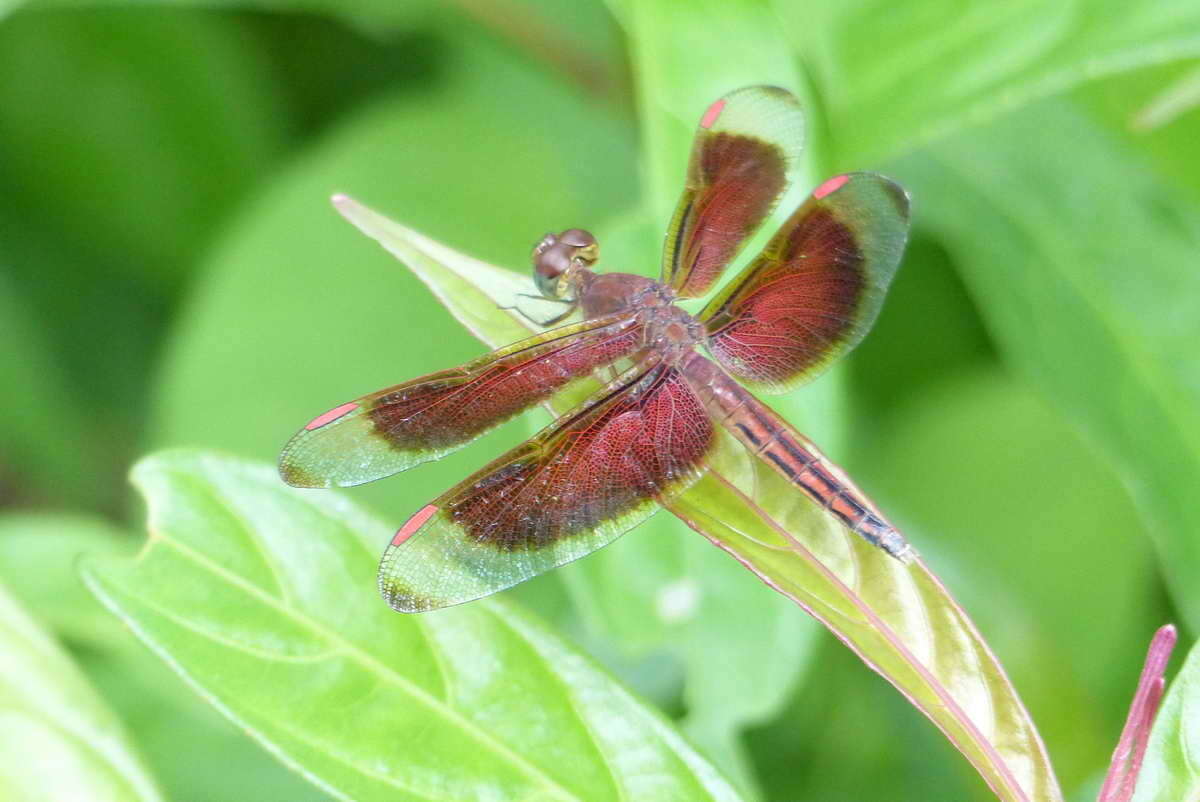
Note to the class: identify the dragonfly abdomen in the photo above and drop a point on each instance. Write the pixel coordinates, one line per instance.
(771, 439)
(817, 478)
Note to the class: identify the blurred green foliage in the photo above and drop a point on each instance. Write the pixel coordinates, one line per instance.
(1027, 409)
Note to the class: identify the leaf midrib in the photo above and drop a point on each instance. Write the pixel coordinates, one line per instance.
(374, 666)
(998, 765)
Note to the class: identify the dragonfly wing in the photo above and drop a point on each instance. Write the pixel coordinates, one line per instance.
(394, 429)
(571, 489)
(744, 156)
(816, 289)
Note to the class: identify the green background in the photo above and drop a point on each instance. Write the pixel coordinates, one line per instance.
(1026, 409)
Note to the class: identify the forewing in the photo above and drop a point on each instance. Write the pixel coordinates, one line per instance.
(394, 429)
(816, 289)
(744, 155)
(573, 488)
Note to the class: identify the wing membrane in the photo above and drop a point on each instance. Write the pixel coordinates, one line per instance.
(816, 289)
(743, 158)
(394, 429)
(570, 490)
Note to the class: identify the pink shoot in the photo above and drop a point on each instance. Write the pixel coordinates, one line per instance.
(1127, 757)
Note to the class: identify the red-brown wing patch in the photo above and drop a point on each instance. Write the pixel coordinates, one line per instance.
(568, 491)
(394, 429)
(743, 157)
(815, 290)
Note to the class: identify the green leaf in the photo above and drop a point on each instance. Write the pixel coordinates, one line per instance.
(342, 317)
(1171, 767)
(975, 480)
(892, 78)
(57, 739)
(1084, 268)
(1127, 108)
(1170, 103)
(39, 556)
(967, 694)
(577, 40)
(898, 618)
(263, 598)
(480, 295)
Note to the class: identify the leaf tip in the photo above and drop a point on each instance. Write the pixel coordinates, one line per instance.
(345, 205)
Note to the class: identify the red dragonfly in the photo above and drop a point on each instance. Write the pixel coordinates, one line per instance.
(609, 463)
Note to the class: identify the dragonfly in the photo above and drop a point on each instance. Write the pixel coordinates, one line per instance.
(674, 381)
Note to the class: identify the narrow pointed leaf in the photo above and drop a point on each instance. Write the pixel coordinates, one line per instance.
(57, 738)
(477, 293)
(263, 598)
(1171, 768)
(899, 619)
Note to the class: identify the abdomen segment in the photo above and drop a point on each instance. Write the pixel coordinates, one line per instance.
(789, 453)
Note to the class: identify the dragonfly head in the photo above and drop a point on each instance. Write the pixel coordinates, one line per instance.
(557, 256)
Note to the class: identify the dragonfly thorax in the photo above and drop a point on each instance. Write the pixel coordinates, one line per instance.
(671, 331)
(666, 328)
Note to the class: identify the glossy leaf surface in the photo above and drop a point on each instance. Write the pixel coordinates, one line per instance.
(40, 555)
(263, 598)
(898, 618)
(1038, 469)
(58, 740)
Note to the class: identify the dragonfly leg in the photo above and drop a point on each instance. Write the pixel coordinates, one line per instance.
(543, 322)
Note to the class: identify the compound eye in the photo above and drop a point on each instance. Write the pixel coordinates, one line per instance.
(545, 243)
(583, 243)
(577, 237)
(548, 267)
